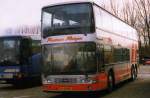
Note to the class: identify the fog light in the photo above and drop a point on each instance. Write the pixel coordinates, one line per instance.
(88, 80)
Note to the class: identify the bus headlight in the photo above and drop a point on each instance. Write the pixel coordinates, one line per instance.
(88, 80)
(46, 81)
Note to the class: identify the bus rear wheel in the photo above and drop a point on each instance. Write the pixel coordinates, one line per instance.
(133, 74)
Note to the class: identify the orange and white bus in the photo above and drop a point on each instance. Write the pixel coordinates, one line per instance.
(86, 48)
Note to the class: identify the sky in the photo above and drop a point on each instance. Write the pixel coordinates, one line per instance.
(15, 13)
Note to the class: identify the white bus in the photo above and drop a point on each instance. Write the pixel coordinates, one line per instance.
(86, 48)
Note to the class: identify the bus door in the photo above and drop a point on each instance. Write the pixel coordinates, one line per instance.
(100, 57)
(101, 66)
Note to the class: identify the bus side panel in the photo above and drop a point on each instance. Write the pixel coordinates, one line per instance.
(122, 73)
(118, 72)
(34, 68)
(36, 64)
(102, 80)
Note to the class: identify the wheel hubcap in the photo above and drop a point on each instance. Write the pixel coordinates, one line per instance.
(133, 74)
(110, 82)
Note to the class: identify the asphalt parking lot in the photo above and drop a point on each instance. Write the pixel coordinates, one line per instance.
(137, 89)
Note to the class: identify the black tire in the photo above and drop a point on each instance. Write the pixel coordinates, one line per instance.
(136, 71)
(133, 73)
(110, 82)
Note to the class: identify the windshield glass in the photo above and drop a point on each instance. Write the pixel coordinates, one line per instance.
(67, 19)
(72, 58)
(9, 53)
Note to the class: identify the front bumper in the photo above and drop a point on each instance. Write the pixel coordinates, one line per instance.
(10, 77)
(73, 87)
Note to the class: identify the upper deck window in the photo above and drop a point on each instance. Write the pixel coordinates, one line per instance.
(67, 19)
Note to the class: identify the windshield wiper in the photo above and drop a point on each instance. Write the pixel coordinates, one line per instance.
(65, 30)
(77, 29)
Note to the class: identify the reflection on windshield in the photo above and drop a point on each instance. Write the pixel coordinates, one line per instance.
(67, 19)
(9, 51)
(73, 58)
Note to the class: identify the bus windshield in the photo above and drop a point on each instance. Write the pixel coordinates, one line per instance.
(70, 58)
(67, 19)
(9, 53)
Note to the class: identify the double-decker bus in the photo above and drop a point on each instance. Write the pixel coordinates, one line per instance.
(20, 59)
(86, 48)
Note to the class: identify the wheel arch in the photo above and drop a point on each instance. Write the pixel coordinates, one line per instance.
(111, 71)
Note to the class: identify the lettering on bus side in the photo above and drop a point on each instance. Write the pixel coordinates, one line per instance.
(73, 38)
(68, 38)
(55, 39)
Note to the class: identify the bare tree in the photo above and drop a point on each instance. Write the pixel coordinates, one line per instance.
(143, 7)
(129, 13)
(111, 6)
(114, 6)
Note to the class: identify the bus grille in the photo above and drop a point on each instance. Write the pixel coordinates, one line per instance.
(65, 80)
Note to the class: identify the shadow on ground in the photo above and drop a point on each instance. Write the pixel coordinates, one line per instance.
(9, 87)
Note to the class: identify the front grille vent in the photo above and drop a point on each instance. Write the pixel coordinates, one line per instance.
(65, 80)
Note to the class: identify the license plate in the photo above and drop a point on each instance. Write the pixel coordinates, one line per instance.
(6, 76)
(66, 88)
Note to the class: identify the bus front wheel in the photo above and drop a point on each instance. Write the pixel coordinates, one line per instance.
(110, 82)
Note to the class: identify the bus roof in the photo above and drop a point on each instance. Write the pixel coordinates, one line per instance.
(70, 2)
